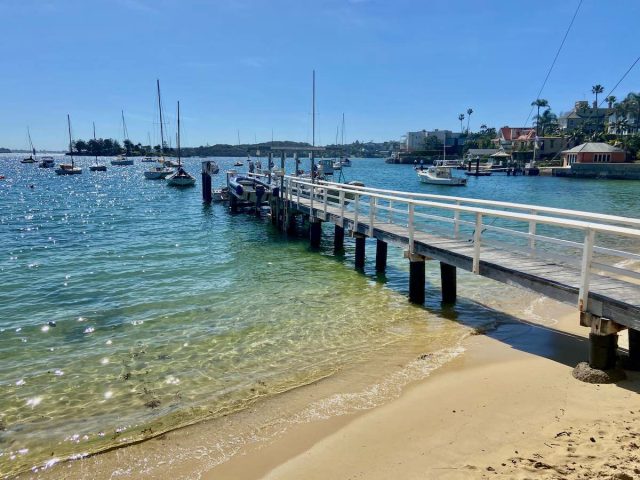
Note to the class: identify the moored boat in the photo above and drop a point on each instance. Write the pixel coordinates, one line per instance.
(47, 162)
(32, 157)
(441, 174)
(97, 167)
(158, 173)
(123, 159)
(180, 178)
(68, 168)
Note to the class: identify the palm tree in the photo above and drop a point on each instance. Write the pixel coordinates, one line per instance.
(539, 102)
(611, 99)
(461, 118)
(547, 121)
(469, 112)
(597, 89)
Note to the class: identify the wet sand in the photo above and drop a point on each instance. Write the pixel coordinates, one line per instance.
(507, 407)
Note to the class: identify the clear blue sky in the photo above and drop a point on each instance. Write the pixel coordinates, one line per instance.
(389, 65)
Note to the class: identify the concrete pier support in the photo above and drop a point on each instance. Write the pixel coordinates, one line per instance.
(315, 232)
(634, 349)
(291, 224)
(381, 256)
(360, 239)
(338, 239)
(449, 282)
(206, 187)
(416, 278)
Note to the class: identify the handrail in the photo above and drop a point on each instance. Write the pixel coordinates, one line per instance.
(555, 221)
(515, 206)
(587, 264)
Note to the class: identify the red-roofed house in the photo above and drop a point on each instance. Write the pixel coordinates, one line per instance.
(507, 135)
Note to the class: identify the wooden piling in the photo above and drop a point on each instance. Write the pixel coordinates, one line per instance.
(338, 238)
(206, 187)
(381, 256)
(477, 165)
(602, 350)
(315, 232)
(360, 246)
(449, 282)
(416, 278)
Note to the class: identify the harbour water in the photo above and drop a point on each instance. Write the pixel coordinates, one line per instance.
(128, 308)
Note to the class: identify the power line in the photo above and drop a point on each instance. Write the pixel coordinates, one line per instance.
(621, 79)
(566, 34)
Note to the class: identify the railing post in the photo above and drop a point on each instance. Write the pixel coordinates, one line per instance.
(477, 235)
(355, 216)
(341, 194)
(532, 231)
(298, 192)
(326, 201)
(390, 211)
(585, 271)
(410, 227)
(311, 193)
(372, 207)
(456, 222)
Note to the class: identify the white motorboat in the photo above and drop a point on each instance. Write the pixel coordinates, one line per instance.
(158, 173)
(68, 168)
(345, 162)
(180, 178)
(47, 162)
(440, 174)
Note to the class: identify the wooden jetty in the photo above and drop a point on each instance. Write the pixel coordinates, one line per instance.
(576, 257)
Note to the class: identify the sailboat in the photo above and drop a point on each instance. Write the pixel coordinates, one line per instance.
(160, 171)
(123, 159)
(31, 158)
(344, 161)
(148, 158)
(68, 168)
(97, 167)
(180, 178)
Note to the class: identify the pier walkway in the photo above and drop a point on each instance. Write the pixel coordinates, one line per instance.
(579, 258)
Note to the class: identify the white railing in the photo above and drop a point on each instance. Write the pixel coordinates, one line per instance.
(589, 242)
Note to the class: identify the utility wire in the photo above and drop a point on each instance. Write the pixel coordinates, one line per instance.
(566, 34)
(620, 81)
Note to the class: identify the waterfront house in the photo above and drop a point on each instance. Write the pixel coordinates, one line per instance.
(593, 152)
(548, 146)
(588, 118)
(506, 136)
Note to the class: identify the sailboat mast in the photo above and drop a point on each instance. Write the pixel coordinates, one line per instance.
(178, 138)
(161, 121)
(313, 129)
(342, 140)
(70, 149)
(95, 144)
(444, 147)
(33, 150)
(124, 132)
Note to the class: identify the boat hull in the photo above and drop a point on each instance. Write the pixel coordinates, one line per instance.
(98, 168)
(157, 174)
(121, 162)
(68, 170)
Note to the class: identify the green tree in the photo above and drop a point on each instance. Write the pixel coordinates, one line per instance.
(539, 102)
(597, 89)
(611, 99)
(461, 118)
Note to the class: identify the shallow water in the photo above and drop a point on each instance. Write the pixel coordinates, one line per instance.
(128, 308)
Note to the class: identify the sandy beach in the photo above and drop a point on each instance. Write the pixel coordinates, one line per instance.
(507, 407)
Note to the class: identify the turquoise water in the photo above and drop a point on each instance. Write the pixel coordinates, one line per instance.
(128, 308)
